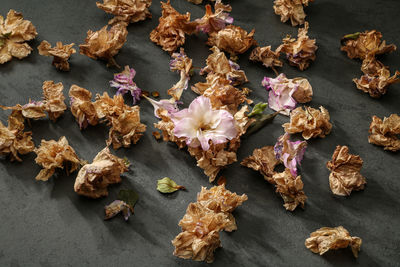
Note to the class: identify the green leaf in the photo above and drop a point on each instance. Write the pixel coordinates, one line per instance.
(261, 121)
(129, 196)
(351, 36)
(167, 185)
(258, 109)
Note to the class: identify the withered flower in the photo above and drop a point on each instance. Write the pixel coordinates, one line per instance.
(93, 179)
(33, 110)
(214, 22)
(269, 58)
(183, 64)
(327, 238)
(13, 139)
(290, 188)
(14, 33)
(82, 107)
(55, 154)
(359, 45)
(345, 172)
(60, 52)
(124, 83)
(116, 207)
(310, 122)
(385, 132)
(299, 52)
(232, 39)
(291, 9)
(128, 11)
(264, 161)
(172, 27)
(54, 99)
(105, 43)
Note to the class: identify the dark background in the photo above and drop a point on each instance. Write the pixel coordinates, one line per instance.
(48, 224)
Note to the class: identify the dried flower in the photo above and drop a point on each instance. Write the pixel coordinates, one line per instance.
(200, 124)
(170, 105)
(60, 52)
(55, 154)
(14, 33)
(81, 106)
(345, 172)
(54, 99)
(93, 179)
(327, 238)
(167, 185)
(183, 64)
(214, 22)
(118, 206)
(264, 161)
(290, 153)
(299, 52)
(269, 58)
(128, 11)
(385, 132)
(105, 43)
(291, 9)
(310, 122)
(124, 83)
(232, 39)
(359, 45)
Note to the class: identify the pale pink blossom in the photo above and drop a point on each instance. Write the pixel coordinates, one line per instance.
(290, 153)
(170, 105)
(280, 94)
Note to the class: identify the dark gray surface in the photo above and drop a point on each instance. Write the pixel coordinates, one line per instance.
(48, 224)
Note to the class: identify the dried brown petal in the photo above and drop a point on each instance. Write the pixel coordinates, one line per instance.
(33, 110)
(291, 9)
(310, 122)
(345, 172)
(105, 43)
(183, 64)
(60, 52)
(157, 135)
(269, 58)
(55, 154)
(14, 33)
(300, 52)
(93, 179)
(327, 238)
(264, 161)
(304, 92)
(82, 108)
(215, 21)
(128, 11)
(385, 133)
(54, 99)
(232, 39)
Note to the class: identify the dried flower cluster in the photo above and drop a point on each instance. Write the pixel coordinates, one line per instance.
(82, 107)
(124, 83)
(60, 52)
(269, 58)
(14, 33)
(55, 154)
(204, 220)
(385, 132)
(291, 9)
(310, 122)
(345, 172)
(213, 22)
(128, 11)
(183, 64)
(327, 238)
(232, 39)
(93, 179)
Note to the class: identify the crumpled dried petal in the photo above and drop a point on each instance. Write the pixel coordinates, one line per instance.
(345, 172)
(105, 43)
(60, 52)
(13, 139)
(124, 83)
(299, 52)
(116, 207)
(264, 161)
(291, 9)
(214, 22)
(232, 39)
(385, 132)
(128, 11)
(203, 221)
(359, 45)
(55, 154)
(269, 58)
(327, 238)
(310, 122)
(183, 64)
(290, 153)
(54, 99)
(33, 110)
(93, 179)
(172, 27)
(82, 108)
(14, 33)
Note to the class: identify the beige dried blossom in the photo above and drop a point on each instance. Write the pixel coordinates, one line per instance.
(33, 110)
(269, 58)
(310, 122)
(290, 188)
(291, 9)
(54, 99)
(60, 52)
(300, 52)
(345, 172)
(232, 39)
(128, 11)
(172, 27)
(82, 107)
(359, 45)
(182, 64)
(327, 238)
(14, 33)
(264, 161)
(215, 21)
(304, 92)
(385, 132)
(55, 154)
(105, 43)
(13, 139)
(93, 179)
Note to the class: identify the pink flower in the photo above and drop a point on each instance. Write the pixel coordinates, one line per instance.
(124, 82)
(200, 123)
(290, 153)
(169, 105)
